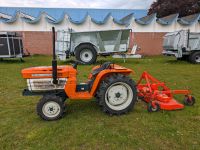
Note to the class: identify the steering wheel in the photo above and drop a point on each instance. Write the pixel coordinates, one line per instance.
(76, 63)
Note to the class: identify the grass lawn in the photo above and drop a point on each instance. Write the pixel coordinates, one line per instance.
(85, 126)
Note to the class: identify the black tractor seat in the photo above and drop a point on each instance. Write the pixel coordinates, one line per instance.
(104, 66)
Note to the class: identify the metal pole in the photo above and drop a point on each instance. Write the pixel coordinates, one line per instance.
(54, 61)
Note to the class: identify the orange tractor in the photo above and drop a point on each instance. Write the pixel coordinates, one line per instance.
(109, 83)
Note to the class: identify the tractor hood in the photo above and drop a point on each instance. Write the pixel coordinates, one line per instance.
(46, 72)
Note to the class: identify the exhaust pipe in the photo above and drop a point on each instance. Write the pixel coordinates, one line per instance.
(54, 61)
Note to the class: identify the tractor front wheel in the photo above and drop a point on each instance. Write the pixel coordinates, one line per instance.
(117, 94)
(51, 107)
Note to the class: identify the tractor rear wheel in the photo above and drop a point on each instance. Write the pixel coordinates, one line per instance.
(51, 107)
(117, 94)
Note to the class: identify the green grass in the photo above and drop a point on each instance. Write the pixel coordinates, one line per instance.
(85, 126)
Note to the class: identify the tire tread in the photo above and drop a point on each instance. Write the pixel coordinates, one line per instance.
(109, 80)
(87, 46)
(47, 98)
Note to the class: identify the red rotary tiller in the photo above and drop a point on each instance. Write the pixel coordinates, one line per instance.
(159, 96)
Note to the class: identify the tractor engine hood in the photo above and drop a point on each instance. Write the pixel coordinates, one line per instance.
(46, 72)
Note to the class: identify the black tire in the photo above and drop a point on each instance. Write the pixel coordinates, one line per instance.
(97, 98)
(79, 53)
(195, 57)
(150, 108)
(189, 102)
(62, 95)
(51, 99)
(110, 81)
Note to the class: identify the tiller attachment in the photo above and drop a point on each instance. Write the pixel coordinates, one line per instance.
(159, 96)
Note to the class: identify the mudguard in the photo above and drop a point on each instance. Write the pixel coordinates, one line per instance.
(70, 87)
(115, 69)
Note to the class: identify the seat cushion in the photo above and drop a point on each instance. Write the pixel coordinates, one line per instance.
(104, 66)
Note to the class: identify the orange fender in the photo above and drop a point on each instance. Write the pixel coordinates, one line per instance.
(104, 73)
(70, 87)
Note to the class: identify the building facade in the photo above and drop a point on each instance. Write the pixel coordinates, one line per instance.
(147, 31)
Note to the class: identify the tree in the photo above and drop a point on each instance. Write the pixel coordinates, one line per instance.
(167, 7)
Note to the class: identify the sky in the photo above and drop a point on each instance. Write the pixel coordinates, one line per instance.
(117, 4)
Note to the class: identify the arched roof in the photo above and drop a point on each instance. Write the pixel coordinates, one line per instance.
(98, 16)
(146, 19)
(168, 19)
(75, 15)
(188, 20)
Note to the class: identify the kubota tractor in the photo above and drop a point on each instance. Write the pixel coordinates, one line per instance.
(109, 83)
(114, 90)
